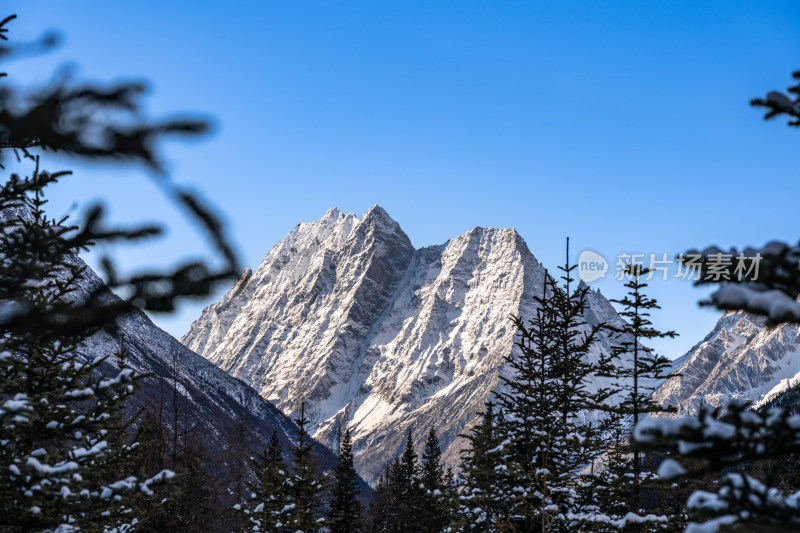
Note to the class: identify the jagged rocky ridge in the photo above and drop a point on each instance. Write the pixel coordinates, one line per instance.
(346, 315)
(741, 359)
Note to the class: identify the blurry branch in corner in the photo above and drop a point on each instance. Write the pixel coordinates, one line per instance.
(97, 123)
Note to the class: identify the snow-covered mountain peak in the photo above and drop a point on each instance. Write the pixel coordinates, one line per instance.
(332, 214)
(739, 359)
(376, 227)
(483, 241)
(380, 216)
(345, 315)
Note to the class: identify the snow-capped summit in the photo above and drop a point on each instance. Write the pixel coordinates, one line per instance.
(739, 359)
(345, 315)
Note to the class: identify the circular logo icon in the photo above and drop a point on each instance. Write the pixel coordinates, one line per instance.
(591, 266)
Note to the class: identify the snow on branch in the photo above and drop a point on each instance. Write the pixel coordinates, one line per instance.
(723, 436)
(775, 305)
(727, 438)
(159, 479)
(764, 281)
(742, 498)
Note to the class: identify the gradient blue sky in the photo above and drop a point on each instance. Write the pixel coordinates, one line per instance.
(624, 125)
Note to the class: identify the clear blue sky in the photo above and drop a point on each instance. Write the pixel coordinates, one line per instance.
(624, 125)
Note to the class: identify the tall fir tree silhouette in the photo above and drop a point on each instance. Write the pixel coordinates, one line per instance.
(437, 495)
(305, 486)
(543, 436)
(636, 377)
(346, 509)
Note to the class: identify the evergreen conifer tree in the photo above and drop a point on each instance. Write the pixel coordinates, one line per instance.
(123, 455)
(266, 510)
(398, 501)
(68, 460)
(432, 471)
(635, 383)
(607, 490)
(383, 510)
(409, 489)
(345, 505)
(64, 455)
(65, 420)
(546, 439)
(529, 479)
(304, 487)
(481, 504)
(436, 491)
(731, 437)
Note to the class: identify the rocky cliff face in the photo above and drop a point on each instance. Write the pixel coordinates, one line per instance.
(374, 335)
(740, 359)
